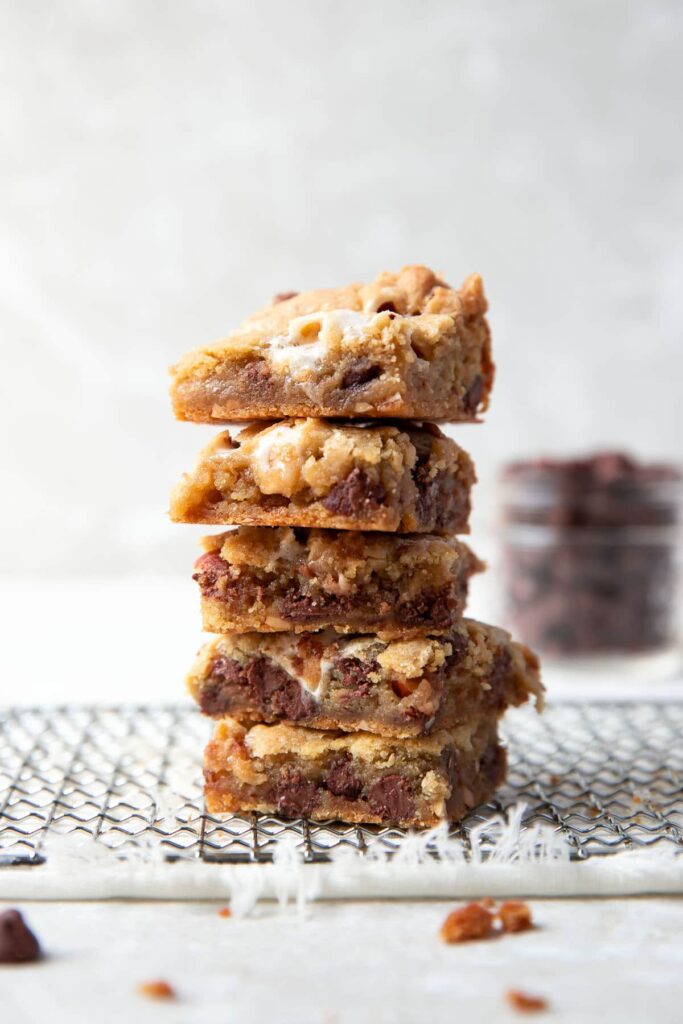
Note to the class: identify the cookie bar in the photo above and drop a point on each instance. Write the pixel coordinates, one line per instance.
(355, 777)
(405, 346)
(279, 580)
(393, 688)
(316, 473)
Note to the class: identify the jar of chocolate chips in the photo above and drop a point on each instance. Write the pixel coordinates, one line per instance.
(590, 555)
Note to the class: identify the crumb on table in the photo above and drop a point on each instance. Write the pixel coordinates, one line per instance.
(515, 916)
(473, 921)
(522, 1002)
(225, 912)
(157, 990)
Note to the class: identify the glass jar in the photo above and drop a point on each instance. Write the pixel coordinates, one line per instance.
(590, 556)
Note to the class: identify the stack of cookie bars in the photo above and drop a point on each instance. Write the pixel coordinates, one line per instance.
(345, 682)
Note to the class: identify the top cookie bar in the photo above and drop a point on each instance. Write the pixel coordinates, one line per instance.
(405, 346)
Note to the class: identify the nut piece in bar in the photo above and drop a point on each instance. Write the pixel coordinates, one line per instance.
(355, 777)
(404, 346)
(279, 580)
(312, 472)
(396, 688)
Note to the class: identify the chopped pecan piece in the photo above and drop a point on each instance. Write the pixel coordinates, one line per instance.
(157, 990)
(470, 922)
(515, 916)
(522, 1002)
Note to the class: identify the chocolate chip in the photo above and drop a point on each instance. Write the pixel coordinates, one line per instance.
(386, 307)
(354, 675)
(283, 296)
(18, 944)
(360, 373)
(278, 692)
(473, 395)
(459, 645)
(341, 779)
(295, 795)
(210, 574)
(354, 495)
(217, 693)
(391, 798)
(433, 609)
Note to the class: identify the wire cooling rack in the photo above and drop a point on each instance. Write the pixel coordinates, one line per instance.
(608, 776)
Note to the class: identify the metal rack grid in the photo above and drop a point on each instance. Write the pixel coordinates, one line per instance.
(607, 775)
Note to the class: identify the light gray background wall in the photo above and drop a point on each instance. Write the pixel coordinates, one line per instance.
(166, 167)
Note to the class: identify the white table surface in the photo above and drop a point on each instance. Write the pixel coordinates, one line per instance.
(595, 960)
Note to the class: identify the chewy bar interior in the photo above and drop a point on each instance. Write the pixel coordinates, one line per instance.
(394, 688)
(356, 777)
(406, 345)
(275, 580)
(311, 472)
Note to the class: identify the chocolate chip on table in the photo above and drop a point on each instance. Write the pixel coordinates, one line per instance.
(18, 944)
(354, 494)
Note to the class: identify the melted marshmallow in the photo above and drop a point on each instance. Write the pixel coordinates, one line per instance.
(300, 349)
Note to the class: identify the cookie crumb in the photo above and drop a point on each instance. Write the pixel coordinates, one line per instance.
(488, 902)
(515, 916)
(18, 944)
(522, 1002)
(470, 922)
(225, 912)
(157, 990)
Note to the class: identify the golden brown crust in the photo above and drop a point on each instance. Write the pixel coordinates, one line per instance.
(279, 580)
(354, 777)
(404, 346)
(395, 688)
(317, 473)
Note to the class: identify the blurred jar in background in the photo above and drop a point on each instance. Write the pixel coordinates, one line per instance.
(590, 555)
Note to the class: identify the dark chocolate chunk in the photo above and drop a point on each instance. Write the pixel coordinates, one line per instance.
(386, 307)
(361, 372)
(283, 296)
(434, 610)
(216, 694)
(18, 944)
(210, 571)
(392, 798)
(354, 675)
(278, 692)
(473, 395)
(354, 495)
(296, 796)
(341, 779)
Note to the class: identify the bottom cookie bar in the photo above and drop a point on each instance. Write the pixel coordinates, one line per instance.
(355, 777)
